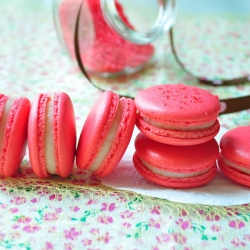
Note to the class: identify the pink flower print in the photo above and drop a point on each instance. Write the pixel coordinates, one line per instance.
(79, 172)
(3, 206)
(52, 229)
(154, 223)
(126, 225)
(155, 248)
(87, 242)
(106, 238)
(121, 199)
(127, 214)
(50, 217)
(105, 219)
(14, 210)
(58, 210)
(118, 248)
(91, 201)
(15, 235)
(156, 210)
(31, 228)
(212, 217)
(237, 224)
(55, 197)
(18, 200)
(43, 192)
(15, 226)
(163, 238)
(202, 212)
(34, 200)
(2, 236)
(179, 238)
(108, 207)
(184, 224)
(23, 219)
(94, 231)
(183, 213)
(79, 182)
(232, 211)
(48, 246)
(28, 170)
(216, 228)
(246, 237)
(71, 234)
(74, 209)
(237, 243)
(93, 181)
(69, 246)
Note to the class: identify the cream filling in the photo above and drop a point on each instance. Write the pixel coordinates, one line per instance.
(235, 166)
(4, 117)
(106, 146)
(183, 127)
(49, 138)
(171, 174)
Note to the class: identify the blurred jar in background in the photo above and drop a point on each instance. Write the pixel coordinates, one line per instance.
(115, 37)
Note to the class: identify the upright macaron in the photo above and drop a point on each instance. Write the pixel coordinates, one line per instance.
(106, 134)
(177, 114)
(175, 166)
(52, 135)
(14, 113)
(234, 160)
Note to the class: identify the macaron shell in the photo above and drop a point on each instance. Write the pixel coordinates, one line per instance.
(178, 102)
(64, 134)
(35, 129)
(176, 159)
(95, 128)
(64, 130)
(15, 137)
(235, 145)
(234, 175)
(121, 140)
(173, 182)
(178, 137)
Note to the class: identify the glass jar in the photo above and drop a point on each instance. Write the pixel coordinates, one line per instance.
(114, 37)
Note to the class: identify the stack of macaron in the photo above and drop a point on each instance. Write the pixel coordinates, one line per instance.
(176, 147)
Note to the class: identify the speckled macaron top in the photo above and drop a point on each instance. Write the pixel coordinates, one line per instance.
(177, 114)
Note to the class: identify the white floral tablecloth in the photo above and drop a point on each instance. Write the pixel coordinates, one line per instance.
(80, 212)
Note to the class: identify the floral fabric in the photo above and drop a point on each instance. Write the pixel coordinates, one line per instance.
(79, 212)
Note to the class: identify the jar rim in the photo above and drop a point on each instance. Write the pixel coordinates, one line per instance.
(164, 22)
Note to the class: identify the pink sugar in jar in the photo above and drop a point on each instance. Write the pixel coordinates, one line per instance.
(115, 36)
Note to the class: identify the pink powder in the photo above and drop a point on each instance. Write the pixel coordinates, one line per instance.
(102, 49)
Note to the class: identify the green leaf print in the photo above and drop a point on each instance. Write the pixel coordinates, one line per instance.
(200, 229)
(141, 227)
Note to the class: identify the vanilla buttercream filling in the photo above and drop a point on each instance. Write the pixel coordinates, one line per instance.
(182, 126)
(242, 169)
(106, 146)
(172, 174)
(49, 138)
(4, 116)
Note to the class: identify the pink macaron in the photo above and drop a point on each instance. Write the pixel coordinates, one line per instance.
(14, 113)
(177, 114)
(52, 135)
(106, 134)
(175, 166)
(234, 160)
